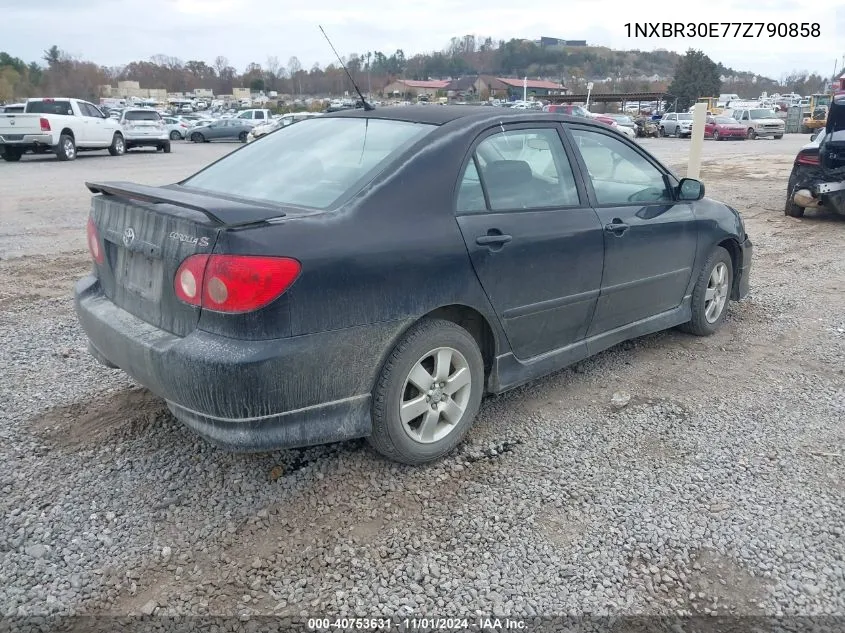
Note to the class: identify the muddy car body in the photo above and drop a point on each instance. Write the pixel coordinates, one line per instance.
(818, 173)
(377, 272)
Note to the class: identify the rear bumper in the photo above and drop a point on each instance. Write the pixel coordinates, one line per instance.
(143, 139)
(18, 140)
(743, 282)
(245, 395)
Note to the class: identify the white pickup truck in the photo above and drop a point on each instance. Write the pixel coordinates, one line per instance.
(62, 126)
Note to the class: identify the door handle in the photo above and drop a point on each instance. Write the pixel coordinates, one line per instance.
(617, 227)
(493, 239)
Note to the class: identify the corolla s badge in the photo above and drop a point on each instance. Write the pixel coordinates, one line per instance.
(128, 236)
(189, 239)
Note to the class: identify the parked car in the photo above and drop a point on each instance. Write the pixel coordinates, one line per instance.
(12, 108)
(61, 126)
(144, 127)
(723, 127)
(676, 124)
(220, 130)
(818, 172)
(331, 282)
(176, 128)
(759, 122)
(286, 119)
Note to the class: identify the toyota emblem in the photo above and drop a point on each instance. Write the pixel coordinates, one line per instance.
(128, 236)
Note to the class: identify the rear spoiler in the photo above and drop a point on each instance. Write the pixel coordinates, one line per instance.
(222, 211)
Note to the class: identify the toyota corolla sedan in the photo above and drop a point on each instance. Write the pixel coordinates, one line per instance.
(724, 127)
(376, 273)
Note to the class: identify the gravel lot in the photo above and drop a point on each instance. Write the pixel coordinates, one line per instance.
(719, 488)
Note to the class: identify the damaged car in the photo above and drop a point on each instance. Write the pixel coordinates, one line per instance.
(817, 180)
(375, 273)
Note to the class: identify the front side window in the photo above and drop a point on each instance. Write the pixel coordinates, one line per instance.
(526, 169)
(619, 174)
(313, 164)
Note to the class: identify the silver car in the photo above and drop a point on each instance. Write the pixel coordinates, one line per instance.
(221, 129)
(676, 124)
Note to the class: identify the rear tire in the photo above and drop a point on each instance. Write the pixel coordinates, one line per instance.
(713, 285)
(166, 147)
(12, 155)
(118, 146)
(175, 136)
(196, 137)
(67, 148)
(437, 417)
(242, 137)
(790, 208)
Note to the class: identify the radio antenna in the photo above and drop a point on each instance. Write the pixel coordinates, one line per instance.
(366, 105)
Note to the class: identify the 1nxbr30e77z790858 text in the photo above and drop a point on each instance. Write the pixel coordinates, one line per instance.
(723, 29)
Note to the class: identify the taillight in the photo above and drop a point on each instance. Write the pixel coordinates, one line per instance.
(234, 283)
(809, 158)
(94, 242)
(45, 125)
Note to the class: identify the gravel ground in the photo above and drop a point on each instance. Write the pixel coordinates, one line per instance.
(718, 487)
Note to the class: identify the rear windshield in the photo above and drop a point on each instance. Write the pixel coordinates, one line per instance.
(684, 117)
(314, 163)
(141, 115)
(49, 107)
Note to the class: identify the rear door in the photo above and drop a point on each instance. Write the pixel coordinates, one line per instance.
(143, 246)
(650, 240)
(534, 242)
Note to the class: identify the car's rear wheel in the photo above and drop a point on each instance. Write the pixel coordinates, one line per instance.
(242, 137)
(118, 145)
(67, 148)
(711, 294)
(196, 137)
(175, 136)
(428, 393)
(790, 208)
(166, 147)
(12, 155)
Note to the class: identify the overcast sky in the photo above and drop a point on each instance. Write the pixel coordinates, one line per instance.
(115, 32)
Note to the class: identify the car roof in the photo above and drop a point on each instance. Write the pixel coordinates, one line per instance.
(441, 115)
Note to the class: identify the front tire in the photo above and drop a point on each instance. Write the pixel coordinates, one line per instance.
(118, 146)
(711, 294)
(778, 137)
(751, 133)
(428, 393)
(242, 137)
(716, 135)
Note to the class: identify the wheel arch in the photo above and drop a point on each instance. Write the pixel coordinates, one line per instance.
(731, 245)
(68, 132)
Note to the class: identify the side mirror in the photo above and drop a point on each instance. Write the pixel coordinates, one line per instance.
(690, 189)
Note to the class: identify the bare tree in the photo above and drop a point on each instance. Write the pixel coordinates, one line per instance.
(294, 66)
(220, 64)
(271, 69)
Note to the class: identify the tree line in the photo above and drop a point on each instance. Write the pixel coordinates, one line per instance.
(58, 73)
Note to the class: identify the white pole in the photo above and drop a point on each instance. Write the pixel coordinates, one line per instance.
(525, 89)
(589, 91)
(699, 118)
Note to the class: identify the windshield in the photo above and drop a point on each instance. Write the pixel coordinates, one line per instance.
(683, 116)
(724, 120)
(311, 164)
(49, 107)
(141, 115)
(762, 114)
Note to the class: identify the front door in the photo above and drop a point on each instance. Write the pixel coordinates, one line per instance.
(535, 244)
(650, 239)
(95, 130)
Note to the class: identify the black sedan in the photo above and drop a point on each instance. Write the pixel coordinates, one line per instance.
(375, 273)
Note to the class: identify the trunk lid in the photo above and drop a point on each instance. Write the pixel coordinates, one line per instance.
(147, 232)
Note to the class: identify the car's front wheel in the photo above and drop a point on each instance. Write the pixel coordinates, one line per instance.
(715, 135)
(428, 393)
(752, 134)
(242, 137)
(711, 294)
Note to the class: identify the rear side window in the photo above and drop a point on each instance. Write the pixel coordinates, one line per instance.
(519, 169)
(49, 107)
(142, 115)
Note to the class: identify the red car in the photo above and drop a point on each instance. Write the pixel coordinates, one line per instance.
(723, 127)
(577, 110)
